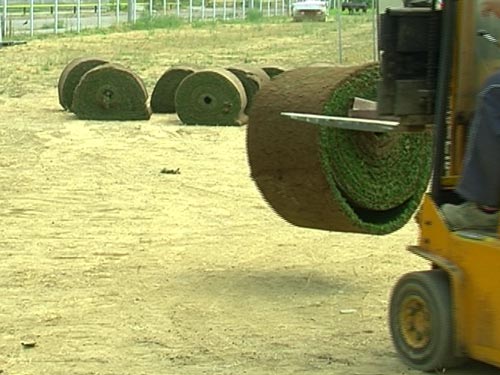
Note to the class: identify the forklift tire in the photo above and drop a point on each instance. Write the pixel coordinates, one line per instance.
(421, 321)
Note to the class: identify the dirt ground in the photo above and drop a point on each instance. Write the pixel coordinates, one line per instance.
(109, 266)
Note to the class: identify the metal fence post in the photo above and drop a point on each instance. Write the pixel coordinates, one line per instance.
(375, 31)
(130, 10)
(4, 12)
(117, 12)
(56, 16)
(78, 16)
(339, 25)
(32, 17)
(99, 14)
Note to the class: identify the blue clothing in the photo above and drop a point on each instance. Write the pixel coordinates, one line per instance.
(480, 182)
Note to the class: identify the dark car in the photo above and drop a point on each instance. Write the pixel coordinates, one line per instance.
(354, 6)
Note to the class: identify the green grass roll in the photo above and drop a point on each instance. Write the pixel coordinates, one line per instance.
(327, 178)
(71, 75)
(111, 92)
(163, 96)
(211, 97)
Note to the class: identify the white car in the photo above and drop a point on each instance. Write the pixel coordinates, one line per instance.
(310, 10)
(422, 3)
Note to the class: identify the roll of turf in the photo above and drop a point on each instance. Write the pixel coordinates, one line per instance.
(111, 92)
(252, 80)
(71, 75)
(163, 96)
(211, 97)
(327, 178)
(273, 71)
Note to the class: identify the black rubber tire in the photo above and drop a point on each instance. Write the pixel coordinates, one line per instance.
(432, 290)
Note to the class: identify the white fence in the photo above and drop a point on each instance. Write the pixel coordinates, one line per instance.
(25, 17)
(28, 17)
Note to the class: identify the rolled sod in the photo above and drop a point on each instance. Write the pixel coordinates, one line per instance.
(252, 79)
(333, 179)
(211, 97)
(163, 96)
(71, 75)
(273, 71)
(111, 92)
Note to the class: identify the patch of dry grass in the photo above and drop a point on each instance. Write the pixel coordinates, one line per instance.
(36, 66)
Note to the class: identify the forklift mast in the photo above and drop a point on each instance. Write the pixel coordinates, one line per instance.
(433, 62)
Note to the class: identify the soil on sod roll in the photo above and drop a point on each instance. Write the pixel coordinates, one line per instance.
(252, 80)
(163, 96)
(111, 92)
(333, 179)
(211, 97)
(71, 75)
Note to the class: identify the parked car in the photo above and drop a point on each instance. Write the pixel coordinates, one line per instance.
(310, 10)
(354, 6)
(422, 4)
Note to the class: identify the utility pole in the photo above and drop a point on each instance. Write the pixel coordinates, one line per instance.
(131, 11)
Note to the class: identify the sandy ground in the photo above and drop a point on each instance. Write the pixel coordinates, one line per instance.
(109, 266)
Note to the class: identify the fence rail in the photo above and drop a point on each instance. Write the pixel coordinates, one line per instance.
(18, 19)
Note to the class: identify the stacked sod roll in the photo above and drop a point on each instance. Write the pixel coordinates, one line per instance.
(163, 96)
(252, 80)
(71, 75)
(110, 92)
(218, 96)
(327, 178)
(211, 97)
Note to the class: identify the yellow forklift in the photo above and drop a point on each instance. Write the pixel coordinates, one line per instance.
(440, 317)
(434, 57)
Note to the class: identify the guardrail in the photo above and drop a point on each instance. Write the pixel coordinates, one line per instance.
(24, 19)
(15, 9)
(53, 17)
